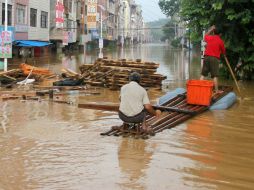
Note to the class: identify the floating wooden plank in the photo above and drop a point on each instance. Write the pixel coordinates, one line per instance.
(172, 109)
(10, 98)
(60, 87)
(95, 106)
(115, 107)
(78, 92)
(11, 78)
(10, 72)
(17, 93)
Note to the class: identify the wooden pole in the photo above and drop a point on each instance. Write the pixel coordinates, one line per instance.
(203, 43)
(233, 75)
(115, 107)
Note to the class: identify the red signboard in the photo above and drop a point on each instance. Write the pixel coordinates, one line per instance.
(59, 14)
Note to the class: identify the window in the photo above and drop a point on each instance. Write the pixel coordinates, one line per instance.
(85, 10)
(44, 19)
(33, 17)
(69, 24)
(9, 16)
(21, 14)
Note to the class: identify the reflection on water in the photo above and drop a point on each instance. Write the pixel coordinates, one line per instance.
(4, 118)
(45, 145)
(134, 158)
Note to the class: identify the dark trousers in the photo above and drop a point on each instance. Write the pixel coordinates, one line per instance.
(211, 65)
(139, 118)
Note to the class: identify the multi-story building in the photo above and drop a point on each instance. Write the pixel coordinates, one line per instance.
(120, 7)
(35, 20)
(21, 19)
(110, 20)
(101, 15)
(10, 15)
(139, 24)
(29, 20)
(38, 24)
(69, 33)
(121, 20)
(127, 20)
(17, 17)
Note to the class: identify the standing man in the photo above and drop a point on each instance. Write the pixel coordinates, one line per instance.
(214, 48)
(134, 103)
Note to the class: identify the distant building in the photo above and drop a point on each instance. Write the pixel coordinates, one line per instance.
(29, 20)
(68, 34)
(64, 23)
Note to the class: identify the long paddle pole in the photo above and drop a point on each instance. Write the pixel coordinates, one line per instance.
(233, 75)
(203, 49)
(115, 107)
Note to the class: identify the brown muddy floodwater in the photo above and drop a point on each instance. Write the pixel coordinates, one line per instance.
(50, 146)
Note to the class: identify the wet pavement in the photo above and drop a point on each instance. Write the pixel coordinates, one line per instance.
(46, 145)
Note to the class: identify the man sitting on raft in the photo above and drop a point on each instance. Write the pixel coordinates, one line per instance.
(134, 103)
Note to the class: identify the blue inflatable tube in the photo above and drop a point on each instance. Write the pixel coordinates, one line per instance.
(225, 102)
(170, 95)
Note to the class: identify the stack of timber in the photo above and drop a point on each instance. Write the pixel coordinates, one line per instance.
(25, 72)
(68, 73)
(115, 73)
(11, 76)
(170, 118)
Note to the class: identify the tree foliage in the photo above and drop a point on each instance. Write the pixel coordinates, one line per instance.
(157, 33)
(169, 31)
(170, 8)
(234, 18)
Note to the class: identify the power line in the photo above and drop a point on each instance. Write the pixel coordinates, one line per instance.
(151, 28)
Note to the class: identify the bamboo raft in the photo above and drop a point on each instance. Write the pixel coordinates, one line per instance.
(179, 112)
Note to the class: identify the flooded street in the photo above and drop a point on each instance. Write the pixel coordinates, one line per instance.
(51, 146)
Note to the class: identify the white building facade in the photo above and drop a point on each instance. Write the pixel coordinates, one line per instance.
(38, 20)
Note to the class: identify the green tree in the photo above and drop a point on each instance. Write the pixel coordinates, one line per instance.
(156, 28)
(169, 30)
(234, 18)
(170, 7)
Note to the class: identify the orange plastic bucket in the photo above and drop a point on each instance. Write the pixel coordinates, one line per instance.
(199, 92)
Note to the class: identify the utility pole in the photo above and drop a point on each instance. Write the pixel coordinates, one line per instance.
(101, 37)
(6, 28)
(83, 28)
(101, 23)
(123, 25)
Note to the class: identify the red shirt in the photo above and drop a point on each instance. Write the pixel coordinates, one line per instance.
(214, 46)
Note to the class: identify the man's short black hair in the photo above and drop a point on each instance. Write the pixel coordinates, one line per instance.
(135, 76)
(217, 30)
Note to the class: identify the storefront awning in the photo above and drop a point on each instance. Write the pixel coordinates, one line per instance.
(30, 43)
